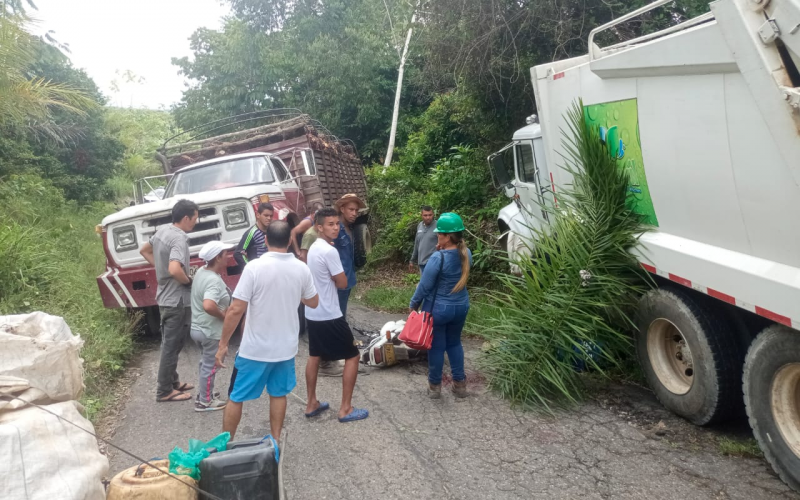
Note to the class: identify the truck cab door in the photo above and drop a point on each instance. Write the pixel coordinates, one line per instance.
(528, 184)
(289, 185)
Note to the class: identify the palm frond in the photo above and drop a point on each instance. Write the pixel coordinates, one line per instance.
(32, 102)
(571, 305)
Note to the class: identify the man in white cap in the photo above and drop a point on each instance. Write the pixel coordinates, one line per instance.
(210, 301)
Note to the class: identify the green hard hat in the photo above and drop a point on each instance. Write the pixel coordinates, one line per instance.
(449, 223)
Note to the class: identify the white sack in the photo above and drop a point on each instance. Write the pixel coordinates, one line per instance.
(45, 458)
(39, 359)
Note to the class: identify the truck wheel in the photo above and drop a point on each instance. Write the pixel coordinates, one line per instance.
(362, 244)
(691, 360)
(152, 321)
(772, 399)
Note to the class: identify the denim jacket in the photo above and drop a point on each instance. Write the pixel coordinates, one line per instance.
(451, 273)
(344, 244)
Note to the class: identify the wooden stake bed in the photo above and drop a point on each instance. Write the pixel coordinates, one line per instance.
(334, 168)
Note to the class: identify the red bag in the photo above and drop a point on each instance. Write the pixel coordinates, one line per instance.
(418, 331)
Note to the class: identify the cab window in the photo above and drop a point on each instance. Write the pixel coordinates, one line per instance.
(526, 168)
(280, 169)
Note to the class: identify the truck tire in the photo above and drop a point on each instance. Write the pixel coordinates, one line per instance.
(771, 384)
(152, 321)
(362, 244)
(691, 359)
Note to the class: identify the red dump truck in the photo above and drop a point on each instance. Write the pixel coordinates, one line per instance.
(228, 167)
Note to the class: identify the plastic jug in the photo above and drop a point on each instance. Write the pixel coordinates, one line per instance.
(247, 470)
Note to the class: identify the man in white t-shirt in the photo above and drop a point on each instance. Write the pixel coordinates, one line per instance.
(269, 290)
(329, 335)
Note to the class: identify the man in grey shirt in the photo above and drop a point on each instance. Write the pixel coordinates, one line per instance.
(168, 252)
(425, 241)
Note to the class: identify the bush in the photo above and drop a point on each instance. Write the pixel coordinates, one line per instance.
(49, 258)
(458, 183)
(452, 118)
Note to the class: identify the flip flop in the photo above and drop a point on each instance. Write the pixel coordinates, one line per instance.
(184, 387)
(174, 397)
(355, 414)
(322, 407)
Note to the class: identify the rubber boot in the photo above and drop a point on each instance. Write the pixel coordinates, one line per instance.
(434, 391)
(460, 388)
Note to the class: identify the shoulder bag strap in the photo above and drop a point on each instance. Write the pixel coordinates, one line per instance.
(438, 278)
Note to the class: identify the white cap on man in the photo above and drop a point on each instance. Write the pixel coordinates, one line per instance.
(212, 249)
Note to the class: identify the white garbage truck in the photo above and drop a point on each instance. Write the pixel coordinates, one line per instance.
(705, 117)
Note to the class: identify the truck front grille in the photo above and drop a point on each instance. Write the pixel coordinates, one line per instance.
(167, 219)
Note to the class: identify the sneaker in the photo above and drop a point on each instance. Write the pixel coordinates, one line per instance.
(331, 368)
(213, 405)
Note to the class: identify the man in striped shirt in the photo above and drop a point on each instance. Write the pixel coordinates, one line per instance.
(253, 244)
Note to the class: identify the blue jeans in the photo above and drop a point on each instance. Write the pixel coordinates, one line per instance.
(344, 296)
(448, 321)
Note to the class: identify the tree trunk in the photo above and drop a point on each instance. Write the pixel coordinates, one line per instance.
(396, 112)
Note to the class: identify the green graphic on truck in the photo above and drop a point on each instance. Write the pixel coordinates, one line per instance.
(618, 123)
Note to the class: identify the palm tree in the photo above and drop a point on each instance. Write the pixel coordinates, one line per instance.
(25, 101)
(571, 306)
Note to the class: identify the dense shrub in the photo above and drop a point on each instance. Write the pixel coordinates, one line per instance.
(49, 258)
(458, 183)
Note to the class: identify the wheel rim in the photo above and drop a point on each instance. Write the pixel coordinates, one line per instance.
(786, 404)
(670, 356)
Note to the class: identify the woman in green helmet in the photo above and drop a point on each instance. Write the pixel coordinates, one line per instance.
(442, 290)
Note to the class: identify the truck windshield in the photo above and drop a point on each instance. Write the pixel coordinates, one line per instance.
(255, 170)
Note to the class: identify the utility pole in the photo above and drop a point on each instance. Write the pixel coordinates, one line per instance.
(396, 112)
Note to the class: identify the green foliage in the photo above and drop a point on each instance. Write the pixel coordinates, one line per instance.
(141, 132)
(572, 302)
(334, 60)
(28, 99)
(740, 447)
(51, 119)
(451, 119)
(459, 182)
(49, 259)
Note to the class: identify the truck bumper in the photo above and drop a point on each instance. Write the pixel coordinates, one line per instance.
(136, 287)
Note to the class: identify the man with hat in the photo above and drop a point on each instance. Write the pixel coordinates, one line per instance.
(210, 301)
(348, 207)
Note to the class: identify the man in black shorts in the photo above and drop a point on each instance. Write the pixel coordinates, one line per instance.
(329, 335)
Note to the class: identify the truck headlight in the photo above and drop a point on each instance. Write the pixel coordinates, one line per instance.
(124, 238)
(235, 217)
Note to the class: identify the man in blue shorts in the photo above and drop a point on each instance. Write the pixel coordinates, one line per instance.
(269, 290)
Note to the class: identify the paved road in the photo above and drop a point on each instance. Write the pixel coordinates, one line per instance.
(622, 445)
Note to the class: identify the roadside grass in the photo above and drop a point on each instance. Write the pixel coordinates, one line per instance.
(747, 448)
(49, 259)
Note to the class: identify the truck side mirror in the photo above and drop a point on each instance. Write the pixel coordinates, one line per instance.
(499, 171)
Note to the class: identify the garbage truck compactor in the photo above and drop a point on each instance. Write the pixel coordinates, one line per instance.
(705, 116)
